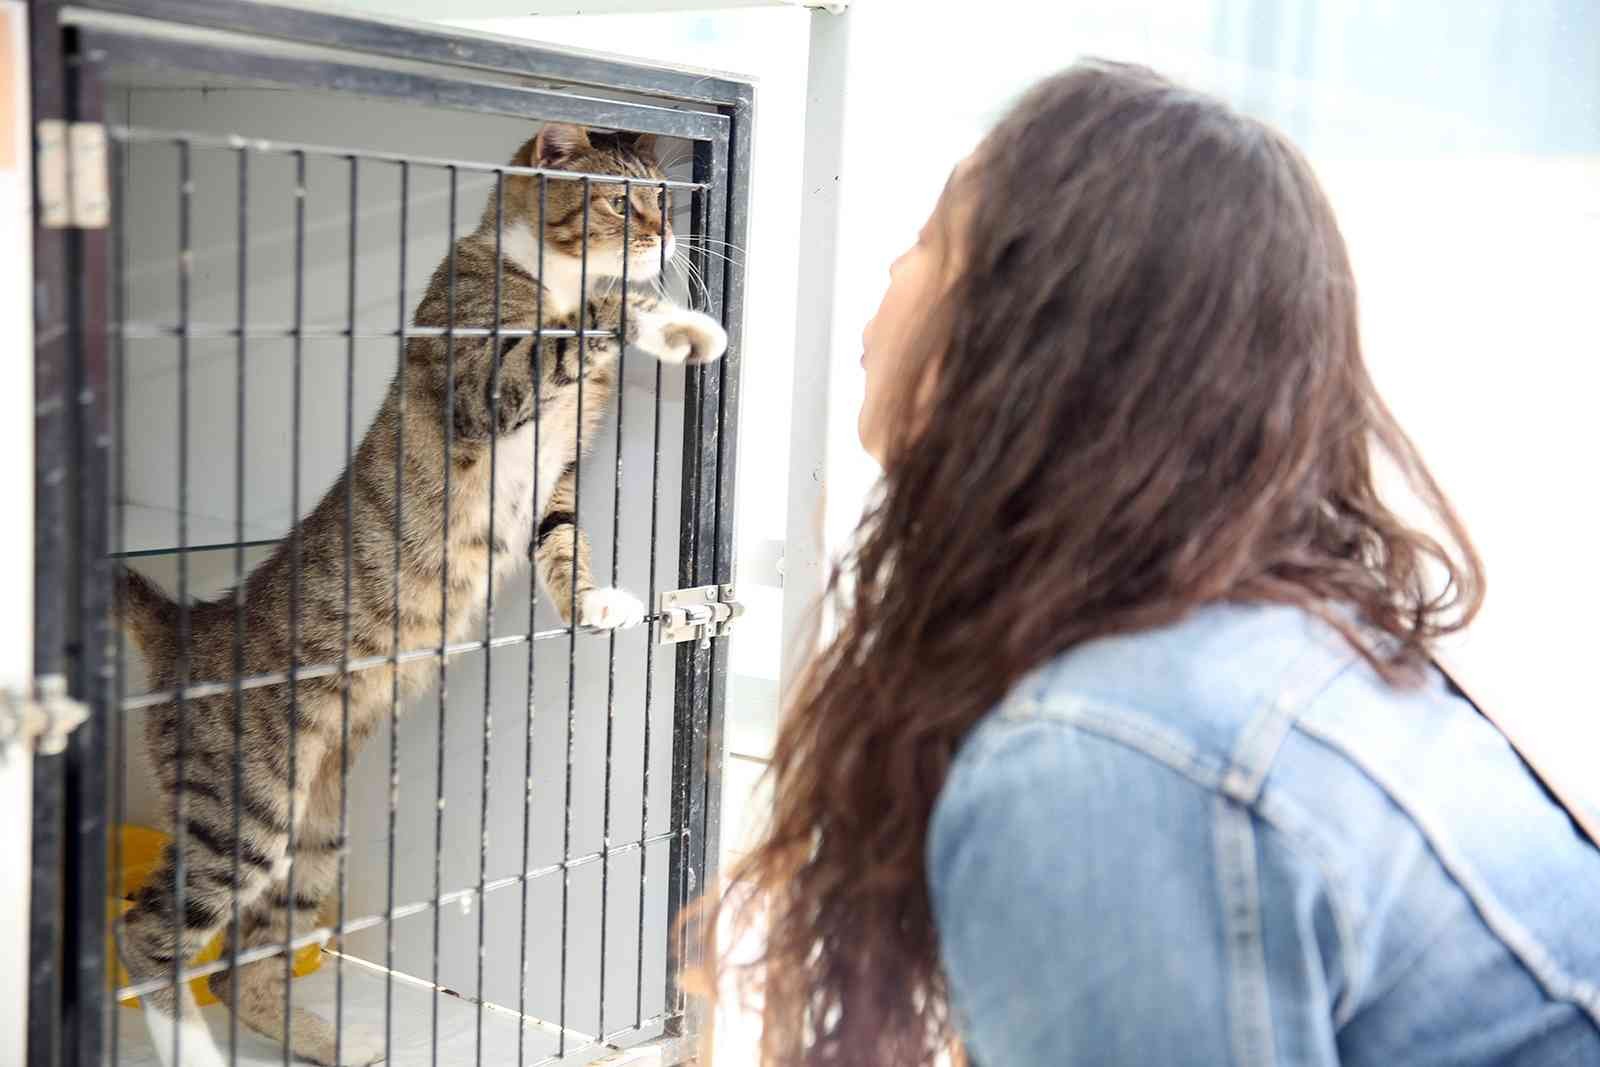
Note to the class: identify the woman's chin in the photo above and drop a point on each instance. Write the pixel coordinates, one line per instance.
(864, 434)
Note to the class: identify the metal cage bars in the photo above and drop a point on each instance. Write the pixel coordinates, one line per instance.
(80, 349)
(347, 665)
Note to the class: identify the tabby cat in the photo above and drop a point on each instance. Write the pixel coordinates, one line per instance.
(413, 421)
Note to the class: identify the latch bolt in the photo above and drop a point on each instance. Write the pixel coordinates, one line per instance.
(44, 719)
(698, 614)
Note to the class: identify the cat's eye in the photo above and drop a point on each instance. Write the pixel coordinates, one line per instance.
(619, 204)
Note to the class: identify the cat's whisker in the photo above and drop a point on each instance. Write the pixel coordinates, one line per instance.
(713, 253)
(692, 273)
(718, 255)
(698, 239)
(696, 269)
(690, 278)
(696, 246)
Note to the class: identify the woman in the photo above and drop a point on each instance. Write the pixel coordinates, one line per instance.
(1128, 749)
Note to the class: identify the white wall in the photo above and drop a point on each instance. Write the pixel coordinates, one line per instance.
(1461, 148)
(16, 535)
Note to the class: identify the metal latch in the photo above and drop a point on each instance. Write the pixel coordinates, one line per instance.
(74, 189)
(46, 719)
(698, 614)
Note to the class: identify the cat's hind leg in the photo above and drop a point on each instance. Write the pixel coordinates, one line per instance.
(281, 914)
(155, 935)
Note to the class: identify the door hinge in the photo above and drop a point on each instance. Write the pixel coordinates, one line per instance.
(74, 189)
(698, 614)
(44, 719)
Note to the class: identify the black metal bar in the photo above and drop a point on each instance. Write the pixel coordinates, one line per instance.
(179, 823)
(717, 547)
(394, 678)
(730, 184)
(488, 603)
(220, 546)
(572, 645)
(349, 575)
(126, 48)
(302, 25)
(88, 639)
(295, 547)
(611, 645)
(52, 356)
(119, 746)
(535, 371)
(650, 645)
(707, 524)
(137, 134)
(688, 743)
(444, 600)
(238, 604)
(730, 178)
(329, 670)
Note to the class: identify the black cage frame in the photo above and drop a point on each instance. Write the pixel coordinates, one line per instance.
(77, 353)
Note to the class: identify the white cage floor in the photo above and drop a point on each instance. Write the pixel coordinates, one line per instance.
(364, 997)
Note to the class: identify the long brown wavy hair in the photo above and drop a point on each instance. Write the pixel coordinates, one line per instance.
(1144, 393)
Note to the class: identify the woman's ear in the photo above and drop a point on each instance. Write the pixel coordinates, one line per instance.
(557, 143)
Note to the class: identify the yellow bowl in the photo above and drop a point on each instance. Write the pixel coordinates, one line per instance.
(142, 848)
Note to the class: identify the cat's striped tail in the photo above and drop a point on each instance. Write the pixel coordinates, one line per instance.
(148, 614)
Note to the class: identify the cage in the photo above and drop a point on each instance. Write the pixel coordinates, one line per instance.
(515, 843)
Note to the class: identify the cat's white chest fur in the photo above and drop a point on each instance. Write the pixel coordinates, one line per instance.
(515, 511)
(563, 275)
(514, 521)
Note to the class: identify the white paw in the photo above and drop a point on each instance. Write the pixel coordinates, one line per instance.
(609, 609)
(360, 1045)
(682, 336)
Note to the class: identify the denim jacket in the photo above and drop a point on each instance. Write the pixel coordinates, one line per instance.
(1229, 842)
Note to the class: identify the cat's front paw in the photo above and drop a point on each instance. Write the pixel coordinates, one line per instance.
(609, 609)
(682, 336)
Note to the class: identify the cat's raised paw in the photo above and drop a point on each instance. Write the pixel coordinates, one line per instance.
(609, 609)
(683, 336)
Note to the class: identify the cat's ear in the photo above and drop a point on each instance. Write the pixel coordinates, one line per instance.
(645, 146)
(557, 143)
